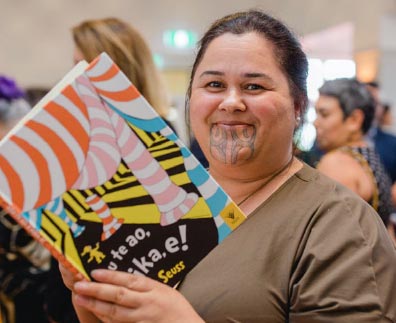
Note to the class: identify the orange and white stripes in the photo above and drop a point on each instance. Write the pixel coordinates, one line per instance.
(110, 223)
(172, 201)
(47, 153)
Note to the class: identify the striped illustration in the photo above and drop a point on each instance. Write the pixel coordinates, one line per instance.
(172, 201)
(77, 141)
(70, 144)
(110, 223)
(32, 154)
(123, 98)
(110, 138)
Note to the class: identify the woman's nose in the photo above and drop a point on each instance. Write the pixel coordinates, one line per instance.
(232, 101)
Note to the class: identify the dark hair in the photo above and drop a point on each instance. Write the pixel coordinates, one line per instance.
(351, 95)
(292, 60)
(373, 84)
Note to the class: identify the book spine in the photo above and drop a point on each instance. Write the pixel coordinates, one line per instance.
(15, 213)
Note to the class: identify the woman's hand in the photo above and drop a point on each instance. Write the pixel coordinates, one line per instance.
(69, 278)
(123, 297)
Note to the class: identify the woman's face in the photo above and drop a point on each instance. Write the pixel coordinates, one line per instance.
(331, 127)
(241, 109)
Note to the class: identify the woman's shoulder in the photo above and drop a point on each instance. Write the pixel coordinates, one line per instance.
(347, 167)
(318, 189)
(311, 196)
(327, 200)
(315, 180)
(338, 164)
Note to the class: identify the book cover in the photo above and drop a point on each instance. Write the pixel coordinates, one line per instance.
(102, 181)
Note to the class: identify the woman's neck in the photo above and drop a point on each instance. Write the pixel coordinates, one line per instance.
(356, 140)
(253, 187)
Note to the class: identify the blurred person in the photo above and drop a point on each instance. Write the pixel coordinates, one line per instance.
(13, 105)
(384, 142)
(24, 263)
(128, 49)
(198, 153)
(386, 120)
(345, 111)
(310, 250)
(33, 94)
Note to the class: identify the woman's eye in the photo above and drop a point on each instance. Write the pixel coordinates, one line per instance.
(252, 87)
(214, 84)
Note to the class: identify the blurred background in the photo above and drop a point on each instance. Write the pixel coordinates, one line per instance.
(343, 38)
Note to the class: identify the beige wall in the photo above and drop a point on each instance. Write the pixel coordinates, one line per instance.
(176, 80)
(36, 45)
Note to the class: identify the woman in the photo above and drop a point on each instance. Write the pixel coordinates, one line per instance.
(128, 50)
(299, 256)
(345, 111)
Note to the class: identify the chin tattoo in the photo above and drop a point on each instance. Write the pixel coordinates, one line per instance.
(227, 145)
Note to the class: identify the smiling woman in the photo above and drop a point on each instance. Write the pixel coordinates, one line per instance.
(306, 237)
(241, 98)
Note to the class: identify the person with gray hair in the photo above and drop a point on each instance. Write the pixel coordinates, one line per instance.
(345, 112)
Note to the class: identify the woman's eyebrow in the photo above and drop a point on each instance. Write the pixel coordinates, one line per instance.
(263, 76)
(211, 73)
(258, 75)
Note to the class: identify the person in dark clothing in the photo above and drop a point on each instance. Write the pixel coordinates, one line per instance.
(384, 142)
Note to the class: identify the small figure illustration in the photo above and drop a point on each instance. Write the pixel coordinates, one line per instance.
(94, 253)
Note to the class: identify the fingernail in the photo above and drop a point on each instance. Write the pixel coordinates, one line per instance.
(81, 300)
(97, 273)
(80, 285)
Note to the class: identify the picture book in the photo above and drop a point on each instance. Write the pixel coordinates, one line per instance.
(102, 181)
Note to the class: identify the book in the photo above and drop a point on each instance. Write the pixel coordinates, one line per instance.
(100, 179)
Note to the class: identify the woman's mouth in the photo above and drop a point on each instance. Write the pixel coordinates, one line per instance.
(233, 130)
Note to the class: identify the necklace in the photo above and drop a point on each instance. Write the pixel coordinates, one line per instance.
(266, 182)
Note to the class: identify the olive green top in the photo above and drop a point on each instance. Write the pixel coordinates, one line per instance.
(313, 252)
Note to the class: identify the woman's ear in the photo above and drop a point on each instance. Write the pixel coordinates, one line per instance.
(355, 120)
(297, 115)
